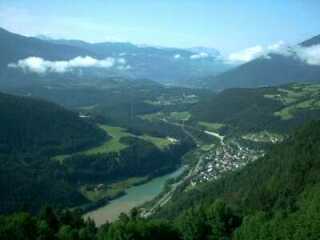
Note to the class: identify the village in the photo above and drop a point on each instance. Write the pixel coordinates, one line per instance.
(227, 156)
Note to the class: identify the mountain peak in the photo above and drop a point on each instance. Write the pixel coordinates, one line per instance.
(312, 41)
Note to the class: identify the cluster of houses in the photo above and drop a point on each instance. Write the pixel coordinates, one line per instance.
(226, 157)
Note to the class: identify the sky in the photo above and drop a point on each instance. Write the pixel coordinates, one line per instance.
(227, 25)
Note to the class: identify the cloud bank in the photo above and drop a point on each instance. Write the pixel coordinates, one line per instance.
(41, 66)
(251, 53)
(177, 56)
(309, 55)
(199, 56)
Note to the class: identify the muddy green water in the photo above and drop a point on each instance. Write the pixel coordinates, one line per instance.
(134, 197)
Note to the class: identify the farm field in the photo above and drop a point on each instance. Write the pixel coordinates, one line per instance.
(164, 116)
(211, 126)
(97, 192)
(296, 98)
(115, 145)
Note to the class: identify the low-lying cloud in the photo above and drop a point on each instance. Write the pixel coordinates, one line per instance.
(177, 56)
(199, 56)
(309, 55)
(246, 55)
(41, 66)
(251, 53)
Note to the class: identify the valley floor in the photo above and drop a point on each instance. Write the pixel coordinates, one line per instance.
(209, 161)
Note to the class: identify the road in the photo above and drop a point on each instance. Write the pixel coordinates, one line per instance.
(192, 172)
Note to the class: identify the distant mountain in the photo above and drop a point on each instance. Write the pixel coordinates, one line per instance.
(14, 47)
(171, 66)
(312, 41)
(275, 70)
(210, 51)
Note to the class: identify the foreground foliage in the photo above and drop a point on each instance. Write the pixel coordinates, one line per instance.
(277, 197)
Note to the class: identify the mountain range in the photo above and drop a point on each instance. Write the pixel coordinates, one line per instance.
(171, 66)
(248, 176)
(276, 69)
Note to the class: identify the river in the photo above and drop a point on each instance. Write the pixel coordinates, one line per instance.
(135, 196)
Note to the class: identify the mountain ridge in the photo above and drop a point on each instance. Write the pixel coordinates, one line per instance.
(275, 70)
(169, 66)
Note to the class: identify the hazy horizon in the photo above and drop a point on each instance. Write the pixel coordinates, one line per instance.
(228, 27)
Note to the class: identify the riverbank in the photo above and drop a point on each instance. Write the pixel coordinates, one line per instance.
(134, 197)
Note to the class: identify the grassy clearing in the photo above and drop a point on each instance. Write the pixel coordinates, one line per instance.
(295, 93)
(207, 147)
(61, 158)
(284, 99)
(289, 112)
(211, 126)
(153, 117)
(169, 100)
(287, 96)
(296, 98)
(179, 116)
(285, 113)
(88, 108)
(172, 116)
(264, 136)
(97, 192)
(161, 143)
(113, 145)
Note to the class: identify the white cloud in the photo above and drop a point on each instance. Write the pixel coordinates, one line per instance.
(251, 53)
(122, 61)
(41, 66)
(309, 55)
(124, 67)
(199, 56)
(246, 55)
(34, 64)
(177, 56)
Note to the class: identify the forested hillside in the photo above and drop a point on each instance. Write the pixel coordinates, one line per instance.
(45, 146)
(279, 109)
(32, 131)
(39, 127)
(276, 197)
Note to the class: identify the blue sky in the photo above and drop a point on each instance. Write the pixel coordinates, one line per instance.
(227, 25)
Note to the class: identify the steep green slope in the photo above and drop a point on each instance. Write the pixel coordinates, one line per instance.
(252, 110)
(43, 146)
(32, 131)
(35, 126)
(277, 196)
